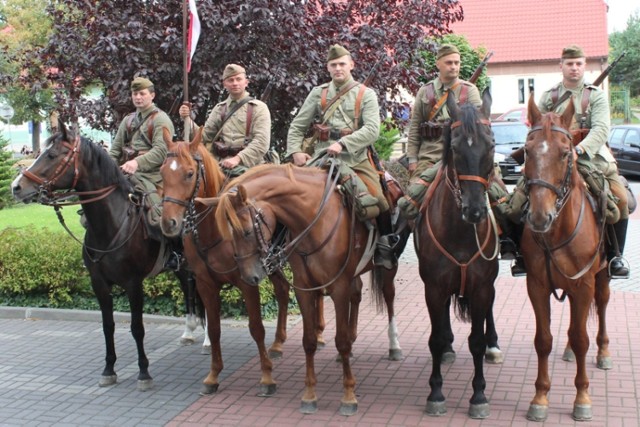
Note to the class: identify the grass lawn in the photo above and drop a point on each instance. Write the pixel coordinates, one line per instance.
(36, 215)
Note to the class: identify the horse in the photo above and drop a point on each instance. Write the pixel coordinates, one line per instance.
(327, 248)
(456, 241)
(190, 171)
(116, 248)
(562, 245)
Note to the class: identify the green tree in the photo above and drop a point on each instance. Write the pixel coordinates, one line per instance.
(26, 28)
(6, 173)
(279, 41)
(626, 73)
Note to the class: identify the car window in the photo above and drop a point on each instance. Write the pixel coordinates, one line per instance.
(616, 136)
(510, 134)
(632, 137)
(514, 115)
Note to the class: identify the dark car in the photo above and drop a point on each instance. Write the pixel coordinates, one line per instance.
(509, 136)
(624, 141)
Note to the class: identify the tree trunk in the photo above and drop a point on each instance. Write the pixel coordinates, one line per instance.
(35, 137)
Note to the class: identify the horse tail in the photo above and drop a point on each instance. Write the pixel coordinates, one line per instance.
(377, 287)
(461, 309)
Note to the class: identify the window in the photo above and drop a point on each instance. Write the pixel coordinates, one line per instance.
(616, 136)
(633, 137)
(520, 91)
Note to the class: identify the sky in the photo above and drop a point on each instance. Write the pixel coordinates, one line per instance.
(619, 13)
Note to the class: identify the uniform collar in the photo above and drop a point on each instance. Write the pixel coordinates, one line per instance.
(339, 88)
(147, 110)
(441, 86)
(230, 100)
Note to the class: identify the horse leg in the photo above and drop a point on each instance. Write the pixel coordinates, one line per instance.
(252, 301)
(480, 310)
(539, 296)
(354, 307)
(105, 300)
(187, 283)
(603, 293)
(438, 342)
(448, 354)
(281, 291)
(579, 339)
(206, 344)
(210, 294)
(493, 354)
(389, 293)
(308, 302)
(320, 322)
(346, 298)
(136, 299)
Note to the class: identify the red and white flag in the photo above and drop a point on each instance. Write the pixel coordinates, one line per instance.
(194, 31)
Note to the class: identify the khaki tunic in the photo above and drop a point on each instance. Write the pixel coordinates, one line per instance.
(234, 129)
(356, 144)
(156, 150)
(428, 152)
(594, 144)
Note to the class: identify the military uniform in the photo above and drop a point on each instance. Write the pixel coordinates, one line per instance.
(424, 150)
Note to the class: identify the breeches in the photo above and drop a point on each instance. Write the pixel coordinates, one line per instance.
(368, 174)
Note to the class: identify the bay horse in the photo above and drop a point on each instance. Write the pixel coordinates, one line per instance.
(116, 248)
(190, 171)
(563, 248)
(327, 248)
(456, 241)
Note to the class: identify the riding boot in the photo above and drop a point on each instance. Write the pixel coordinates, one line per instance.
(175, 260)
(385, 246)
(617, 266)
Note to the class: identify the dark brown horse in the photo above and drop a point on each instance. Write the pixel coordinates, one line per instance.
(328, 249)
(189, 172)
(117, 249)
(456, 241)
(563, 249)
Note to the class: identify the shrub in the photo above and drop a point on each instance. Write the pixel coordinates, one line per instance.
(389, 135)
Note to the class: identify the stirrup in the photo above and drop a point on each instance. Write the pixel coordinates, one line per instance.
(518, 268)
(619, 268)
(384, 254)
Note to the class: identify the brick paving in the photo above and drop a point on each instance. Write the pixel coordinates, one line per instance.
(49, 368)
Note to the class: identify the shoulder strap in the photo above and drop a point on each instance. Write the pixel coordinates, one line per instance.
(150, 125)
(323, 98)
(464, 93)
(356, 120)
(248, 128)
(436, 108)
(231, 112)
(338, 95)
(554, 94)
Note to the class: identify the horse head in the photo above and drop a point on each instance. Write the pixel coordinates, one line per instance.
(249, 227)
(469, 152)
(549, 165)
(188, 171)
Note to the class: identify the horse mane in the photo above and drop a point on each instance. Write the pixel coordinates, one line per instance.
(468, 117)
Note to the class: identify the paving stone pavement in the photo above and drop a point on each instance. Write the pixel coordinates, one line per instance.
(50, 362)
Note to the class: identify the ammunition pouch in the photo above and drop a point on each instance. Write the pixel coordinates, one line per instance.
(599, 187)
(128, 153)
(578, 136)
(321, 132)
(309, 144)
(223, 150)
(431, 130)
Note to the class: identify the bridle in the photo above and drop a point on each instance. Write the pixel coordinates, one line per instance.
(562, 192)
(49, 196)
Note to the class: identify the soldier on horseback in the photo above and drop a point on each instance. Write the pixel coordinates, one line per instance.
(344, 118)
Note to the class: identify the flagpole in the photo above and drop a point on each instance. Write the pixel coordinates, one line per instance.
(185, 71)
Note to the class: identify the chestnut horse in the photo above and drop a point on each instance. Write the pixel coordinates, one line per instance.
(562, 246)
(328, 249)
(189, 172)
(117, 249)
(456, 242)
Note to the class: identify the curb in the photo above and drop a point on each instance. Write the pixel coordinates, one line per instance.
(32, 313)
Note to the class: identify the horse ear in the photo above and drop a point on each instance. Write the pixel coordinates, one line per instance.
(452, 106)
(197, 140)
(168, 138)
(63, 130)
(533, 112)
(567, 114)
(486, 103)
(242, 193)
(207, 201)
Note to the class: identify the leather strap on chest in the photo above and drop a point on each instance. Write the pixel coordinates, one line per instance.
(584, 102)
(430, 94)
(131, 130)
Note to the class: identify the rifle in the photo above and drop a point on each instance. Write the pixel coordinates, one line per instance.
(596, 82)
(480, 67)
(518, 155)
(266, 93)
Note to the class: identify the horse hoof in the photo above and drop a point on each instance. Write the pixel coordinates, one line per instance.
(479, 411)
(582, 413)
(605, 363)
(275, 354)
(107, 380)
(208, 389)
(320, 344)
(448, 357)
(187, 341)
(568, 355)
(206, 349)
(395, 354)
(436, 409)
(348, 409)
(145, 385)
(494, 356)
(309, 407)
(537, 412)
(267, 390)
